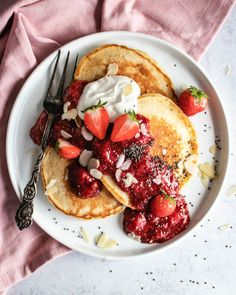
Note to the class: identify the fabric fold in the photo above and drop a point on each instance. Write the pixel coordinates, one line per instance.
(32, 29)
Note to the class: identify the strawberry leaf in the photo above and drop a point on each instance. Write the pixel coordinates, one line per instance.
(197, 93)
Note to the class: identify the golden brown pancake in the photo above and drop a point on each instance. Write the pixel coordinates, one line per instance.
(131, 63)
(55, 168)
(175, 140)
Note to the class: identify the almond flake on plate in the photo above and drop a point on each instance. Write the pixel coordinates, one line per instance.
(84, 157)
(102, 240)
(110, 244)
(85, 236)
(213, 149)
(112, 69)
(86, 134)
(208, 170)
(231, 190)
(224, 227)
(227, 69)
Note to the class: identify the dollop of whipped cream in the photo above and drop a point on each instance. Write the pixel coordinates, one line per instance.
(119, 92)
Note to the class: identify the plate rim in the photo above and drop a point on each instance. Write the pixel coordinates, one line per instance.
(182, 235)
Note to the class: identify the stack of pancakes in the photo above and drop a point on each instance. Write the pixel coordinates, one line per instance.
(175, 138)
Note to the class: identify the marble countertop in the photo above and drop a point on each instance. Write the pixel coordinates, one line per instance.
(203, 263)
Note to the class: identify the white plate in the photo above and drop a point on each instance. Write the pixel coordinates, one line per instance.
(20, 156)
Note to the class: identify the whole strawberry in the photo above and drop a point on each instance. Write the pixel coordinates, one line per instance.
(193, 101)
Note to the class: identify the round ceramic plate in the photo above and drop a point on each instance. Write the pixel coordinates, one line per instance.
(210, 125)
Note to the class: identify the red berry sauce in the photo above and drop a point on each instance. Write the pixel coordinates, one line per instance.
(82, 183)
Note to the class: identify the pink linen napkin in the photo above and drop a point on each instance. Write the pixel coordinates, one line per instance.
(29, 31)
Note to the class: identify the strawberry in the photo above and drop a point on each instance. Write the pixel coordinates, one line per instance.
(125, 127)
(66, 149)
(96, 120)
(162, 205)
(192, 101)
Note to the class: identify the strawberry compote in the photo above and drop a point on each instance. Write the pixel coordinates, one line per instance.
(142, 176)
(147, 228)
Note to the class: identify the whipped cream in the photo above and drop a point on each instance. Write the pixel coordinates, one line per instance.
(119, 92)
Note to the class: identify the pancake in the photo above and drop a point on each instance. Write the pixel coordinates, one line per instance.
(131, 63)
(175, 140)
(54, 169)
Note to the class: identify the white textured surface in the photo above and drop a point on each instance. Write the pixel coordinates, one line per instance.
(203, 263)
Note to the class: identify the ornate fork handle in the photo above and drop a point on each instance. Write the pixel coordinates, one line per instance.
(25, 210)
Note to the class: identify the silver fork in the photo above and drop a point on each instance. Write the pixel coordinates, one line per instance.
(52, 105)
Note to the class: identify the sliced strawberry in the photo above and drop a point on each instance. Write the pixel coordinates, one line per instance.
(96, 120)
(67, 150)
(125, 127)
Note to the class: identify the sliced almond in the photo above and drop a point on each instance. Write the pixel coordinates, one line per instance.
(84, 157)
(51, 190)
(69, 115)
(86, 134)
(208, 169)
(190, 164)
(66, 106)
(96, 238)
(213, 149)
(126, 165)
(112, 69)
(85, 236)
(127, 89)
(120, 160)
(137, 135)
(231, 190)
(102, 240)
(134, 180)
(227, 69)
(51, 183)
(65, 134)
(205, 180)
(110, 244)
(224, 227)
(95, 173)
(93, 163)
(118, 174)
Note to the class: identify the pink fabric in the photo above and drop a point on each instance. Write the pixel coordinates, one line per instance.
(32, 29)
